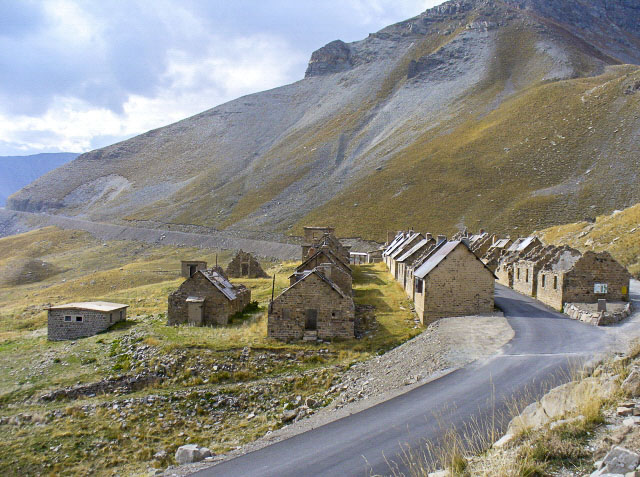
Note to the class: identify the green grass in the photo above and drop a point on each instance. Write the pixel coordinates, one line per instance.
(202, 365)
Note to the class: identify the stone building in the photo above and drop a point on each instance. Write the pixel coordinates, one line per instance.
(525, 270)
(573, 278)
(409, 257)
(495, 252)
(79, 320)
(315, 237)
(330, 266)
(418, 262)
(453, 281)
(517, 251)
(189, 268)
(206, 299)
(392, 253)
(244, 265)
(324, 255)
(313, 307)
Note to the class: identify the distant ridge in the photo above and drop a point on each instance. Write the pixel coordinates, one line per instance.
(19, 171)
(512, 115)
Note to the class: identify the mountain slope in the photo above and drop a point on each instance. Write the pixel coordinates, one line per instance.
(514, 113)
(18, 171)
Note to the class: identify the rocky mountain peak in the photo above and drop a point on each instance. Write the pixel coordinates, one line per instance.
(331, 58)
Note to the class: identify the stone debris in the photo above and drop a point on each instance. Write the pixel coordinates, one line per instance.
(190, 453)
(618, 461)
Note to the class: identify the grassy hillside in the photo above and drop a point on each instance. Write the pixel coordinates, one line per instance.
(618, 233)
(552, 154)
(221, 387)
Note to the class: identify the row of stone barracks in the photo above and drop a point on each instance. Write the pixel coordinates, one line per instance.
(557, 276)
(443, 277)
(318, 304)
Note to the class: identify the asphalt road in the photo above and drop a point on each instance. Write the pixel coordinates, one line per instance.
(546, 346)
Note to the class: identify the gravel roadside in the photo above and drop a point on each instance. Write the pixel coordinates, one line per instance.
(443, 347)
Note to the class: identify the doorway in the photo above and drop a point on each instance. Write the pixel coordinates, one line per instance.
(311, 320)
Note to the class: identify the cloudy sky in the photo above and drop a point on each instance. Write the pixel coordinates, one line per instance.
(77, 75)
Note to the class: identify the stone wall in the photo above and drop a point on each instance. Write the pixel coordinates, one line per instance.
(614, 313)
(577, 284)
(287, 314)
(505, 274)
(459, 286)
(342, 279)
(93, 322)
(245, 265)
(185, 267)
(525, 277)
(217, 307)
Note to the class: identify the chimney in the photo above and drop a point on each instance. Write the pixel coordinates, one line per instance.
(481, 231)
(441, 238)
(428, 236)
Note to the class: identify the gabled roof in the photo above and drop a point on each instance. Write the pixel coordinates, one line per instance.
(217, 278)
(521, 244)
(403, 245)
(315, 271)
(501, 243)
(413, 250)
(401, 237)
(439, 254)
(328, 252)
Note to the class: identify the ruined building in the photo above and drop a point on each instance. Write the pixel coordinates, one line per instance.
(575, 278)
(188, 268)
(207, 298)
(244, 265)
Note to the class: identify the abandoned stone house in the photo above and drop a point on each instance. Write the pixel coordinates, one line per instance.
(418, 262)
(495, 252)
(338, 271)
(480, 243)
(244, 265)
(315, 237)
(525, 270)
(453, 281)
(79, 320)
(189, 268)
(574, 278)
(517, 251)
(313, 307)
(205, 299)
(409, 257)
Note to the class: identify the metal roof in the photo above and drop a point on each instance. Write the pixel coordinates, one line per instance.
(403, 246)
(396, 241)
(521, 244)
(413, 250)
(103, 306)
(436, 257)
(220, 282)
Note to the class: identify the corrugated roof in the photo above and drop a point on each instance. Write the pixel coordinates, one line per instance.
(403, 246)
(220, 282)
(103, 306)
(413, 250)
(435, 258)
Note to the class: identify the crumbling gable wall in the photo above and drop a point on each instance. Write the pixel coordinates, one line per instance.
(245, 264)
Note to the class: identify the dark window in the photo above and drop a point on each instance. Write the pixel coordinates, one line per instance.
(555, 282)
(527, 277)
(110, 317)
(518, 273)
(544, 280)
(67, 318)
(418, 286)
(192, 270)
(78, 318)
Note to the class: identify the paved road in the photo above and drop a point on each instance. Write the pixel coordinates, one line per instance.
(546, 345)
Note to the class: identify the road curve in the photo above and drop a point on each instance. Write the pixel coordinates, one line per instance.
(545, 346)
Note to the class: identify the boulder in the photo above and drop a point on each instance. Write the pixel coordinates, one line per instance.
(191, 453)
(289, 415)
(619, 461)
(631, 385)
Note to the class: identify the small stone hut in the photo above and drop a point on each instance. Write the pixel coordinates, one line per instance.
(189, 268)
(206, 299)
(314, 307)
(79, 320)
(244, 265)
(453, 281)
(575, 278)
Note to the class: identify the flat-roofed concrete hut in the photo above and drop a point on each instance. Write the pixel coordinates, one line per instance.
(82, 319)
